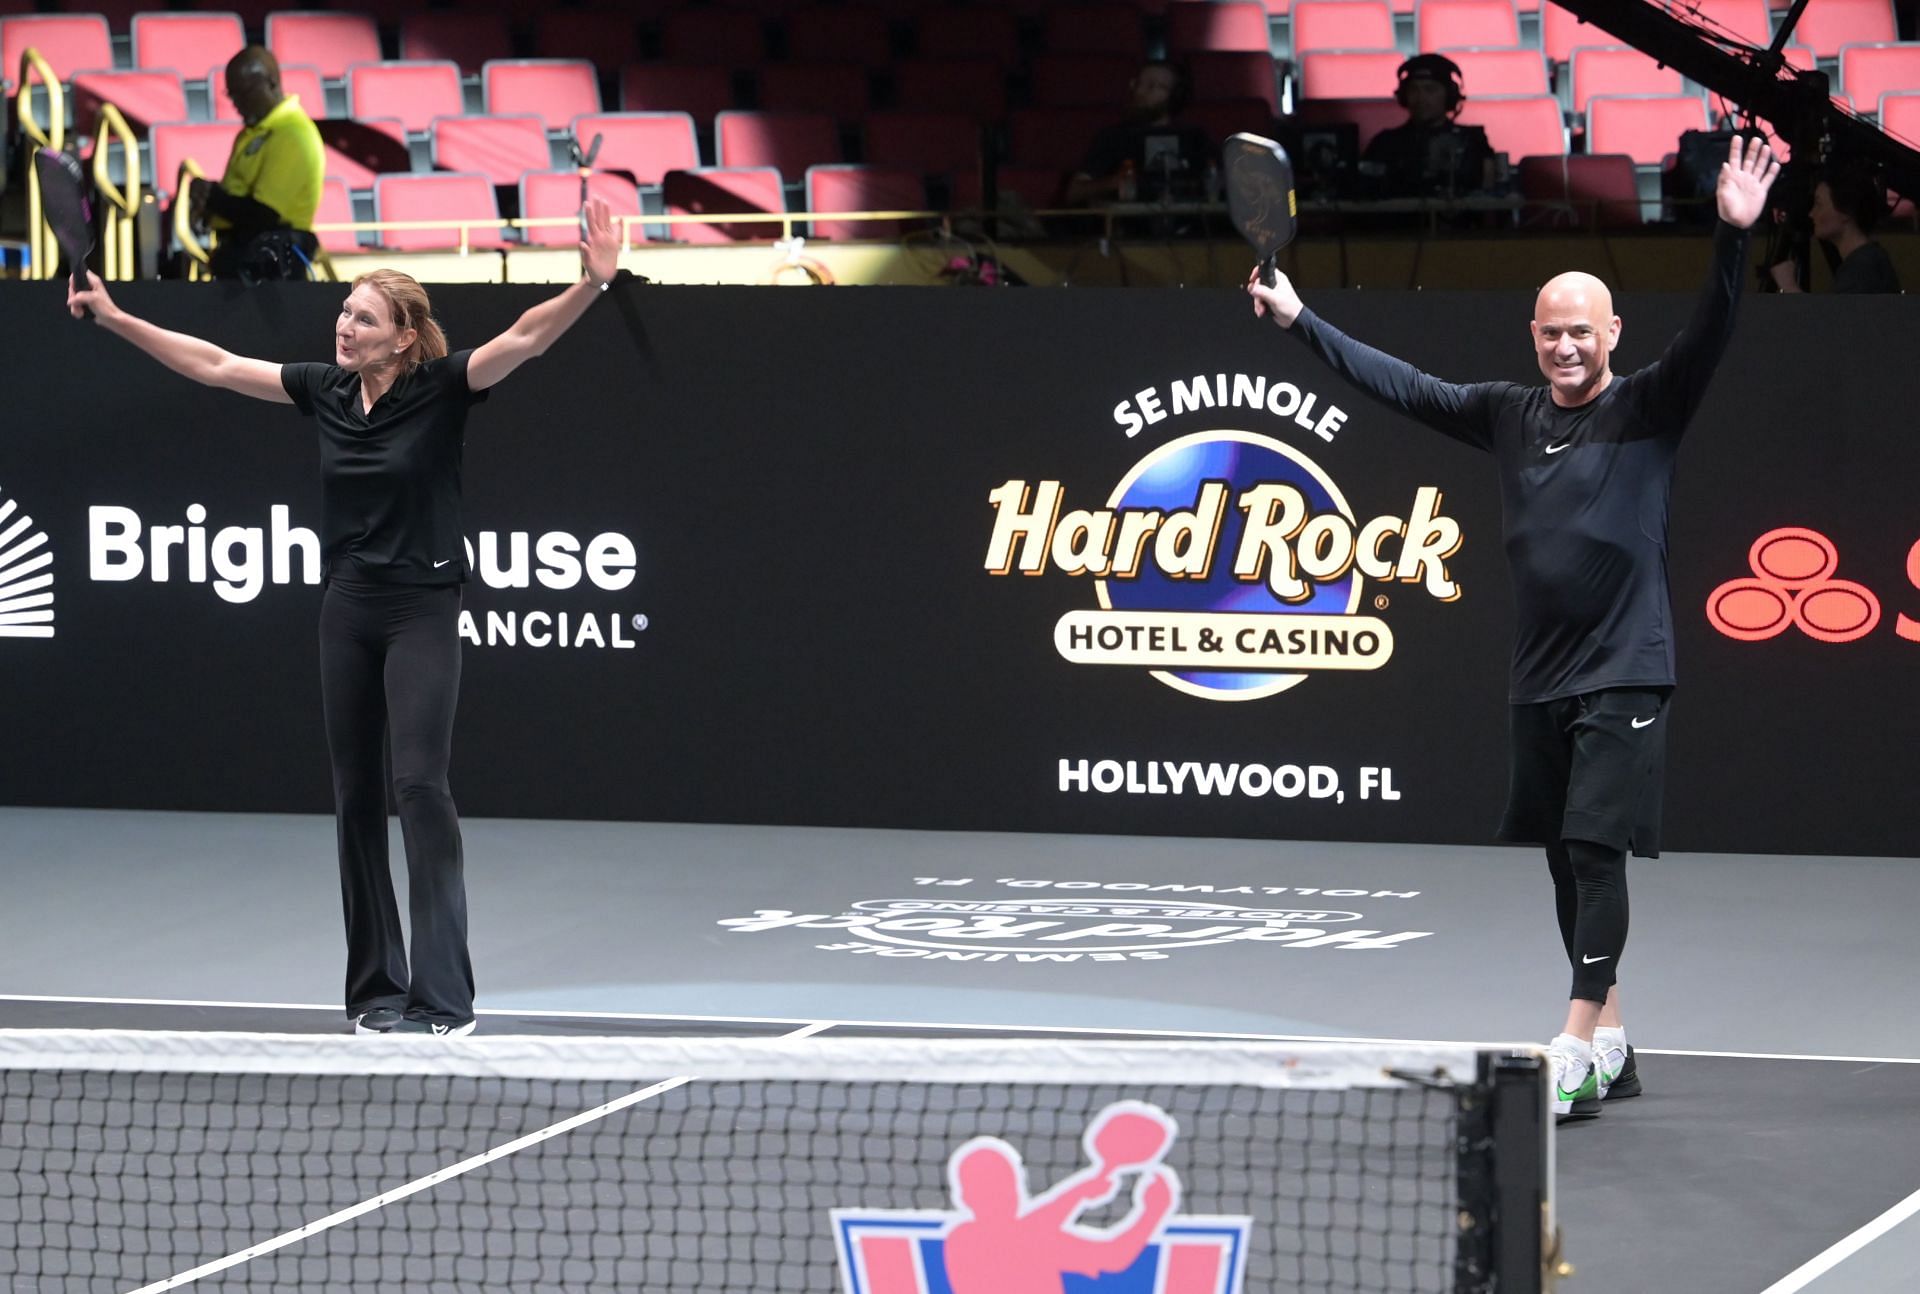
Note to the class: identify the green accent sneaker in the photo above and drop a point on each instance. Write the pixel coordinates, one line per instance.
(1619, 1076)
(1576, 1083)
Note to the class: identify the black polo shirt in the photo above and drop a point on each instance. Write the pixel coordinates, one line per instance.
(390, 479)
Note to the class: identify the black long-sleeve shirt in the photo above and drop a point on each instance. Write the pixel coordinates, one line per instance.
(1584, 491)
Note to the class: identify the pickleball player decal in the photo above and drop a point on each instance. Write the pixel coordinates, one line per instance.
(998, 1239)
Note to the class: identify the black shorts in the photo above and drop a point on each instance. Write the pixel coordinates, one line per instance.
(1589, 767)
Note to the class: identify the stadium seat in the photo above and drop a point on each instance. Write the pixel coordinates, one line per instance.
(787, 142)
(1501, 71)
(1194, 25)
(955, 32)
(1744, 20)
(1869, 71)
(1579, 191)
(718, 190)
(713, 36)
(1828, 25)
(607, 38)
(863, 188)
(1369, 116)
(1457, 24)
(448, 196)
(556, 90)
(1519, 125)
(1234, 74)
(832, 35)
(643, 145)
(1053, 138)
(1900, 116)
(336, 207)
(500, 148)
(330, 42)
(361, 149)
(839, 90)
(1034, 187)
(1349, 74)
(942, 146)
(1561, 33)
(1617, 69)
(413, 93)
(704, 92)
(186, 42)
(975, 86)
(1113, 29)
(1645, 127)
(1081, 80)
(143, 97)
(1342, 25)
(295, 79)
(68, 42)
(546, 194)
(207, 142)
(1219, 118)
(468, 39)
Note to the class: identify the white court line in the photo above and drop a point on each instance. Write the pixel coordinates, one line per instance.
(435, 1178)
(984, 1028)
(1825, 1261)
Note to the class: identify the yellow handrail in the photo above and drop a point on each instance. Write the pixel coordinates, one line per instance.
(116, 255)
(41, 247)
(200, 256)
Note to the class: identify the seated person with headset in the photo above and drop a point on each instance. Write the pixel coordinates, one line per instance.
(1430, 155)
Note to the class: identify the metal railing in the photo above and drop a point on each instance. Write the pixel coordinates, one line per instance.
(43, 252)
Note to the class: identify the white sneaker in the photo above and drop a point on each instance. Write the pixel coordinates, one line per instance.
(1613, 1063)
(1576, 1083)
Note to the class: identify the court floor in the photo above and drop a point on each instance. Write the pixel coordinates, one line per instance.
(1775, 1149)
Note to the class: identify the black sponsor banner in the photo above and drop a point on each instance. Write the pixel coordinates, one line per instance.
(737, 556)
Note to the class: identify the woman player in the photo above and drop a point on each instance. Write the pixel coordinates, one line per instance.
(391, 409)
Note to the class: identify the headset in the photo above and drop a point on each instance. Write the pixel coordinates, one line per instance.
(1437, 67)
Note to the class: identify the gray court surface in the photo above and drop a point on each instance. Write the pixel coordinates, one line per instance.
(1768, 996)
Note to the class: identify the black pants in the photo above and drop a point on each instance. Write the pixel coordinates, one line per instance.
(390, 669)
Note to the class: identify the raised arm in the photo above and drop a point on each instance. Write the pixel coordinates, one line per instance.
(1463, 412)
(188, 356)
(541, 326)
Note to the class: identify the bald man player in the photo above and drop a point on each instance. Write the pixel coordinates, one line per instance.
(1586, 468)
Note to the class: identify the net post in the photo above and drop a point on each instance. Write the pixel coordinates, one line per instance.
(1509, 1241)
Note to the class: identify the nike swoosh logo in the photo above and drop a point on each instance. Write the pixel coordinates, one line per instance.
(438, 565)
(1588, 961)
(1554, 449)
(1641, 723)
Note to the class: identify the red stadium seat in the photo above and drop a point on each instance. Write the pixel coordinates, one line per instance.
(1194, 25)
(1457, 24)
(705, 92)
(1081, 80)
(1900, 116)
(1869, 71)
(142, 96)
(1618, 69)
(970, 33)
(1093, 29)
(414, 93)
(1349, 74)
(444, 196)
(1369, 116)
(331, 42)
(788, 142)
(1745, 20)
(207, 142)
(557, 193)
(719, 190)
(863, 188)
(1645, 127)
(336, 207)
(1827, 25)
(975, 86)
(1219, 118)
(643, 145)
(69, 42)
(186, 42)
(607, 38)
(500, 148)
(1342, 25)
(832, 35)
(1519, 125)
(1501, 71)
(295, 79)
(838, 89)
(1034, 187)
(1053, 138)
(1234, 74)
(556, 90)
(470, 40)
(713, 36)
(1561, 33)
(944, 146)
(361, 149)
(1580, 191)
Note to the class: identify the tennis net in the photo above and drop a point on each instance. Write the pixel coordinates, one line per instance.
(149, 1161)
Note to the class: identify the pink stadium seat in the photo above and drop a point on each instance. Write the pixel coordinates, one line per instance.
(186, 42)
(643, 145)
(788, 142)
(361, 149)
(118, 13)
(1349, 74)
(142, 96)
(499, 148)
(605, 37)
(1369, 116)
(1900, 116)
(713, 36)
(470, 40)
(207, 143)
(1080, 80)
(556, 90)
(442, 196)
(970, 33)
(1234, 74)
(1093, 29)
(1342, 25)
(1745, 20)
(1222, 117)
(69, 42)
(1869, 71)
(332, 42)
(1217, 24)
(717, 190)
(831, 35)
(863, 188)
(1561, 33)
(1645, 127)
(336, 207)
(414, 93)
(705, 92)
(1053, 138)
(295, 79)
(975, 86)
(557, 193)
(1501, 71)
(838, 89)
(1829, 24)
(941, 146)
(1035, 187)
(1456, 24)
(1618, 69)
(1519, 125)
(1581, 191)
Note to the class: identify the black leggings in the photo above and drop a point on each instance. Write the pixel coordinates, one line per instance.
(1590, 898)
(390, 670)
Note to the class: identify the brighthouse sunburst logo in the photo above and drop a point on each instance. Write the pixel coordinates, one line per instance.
(1225, 562)
(26, 583)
